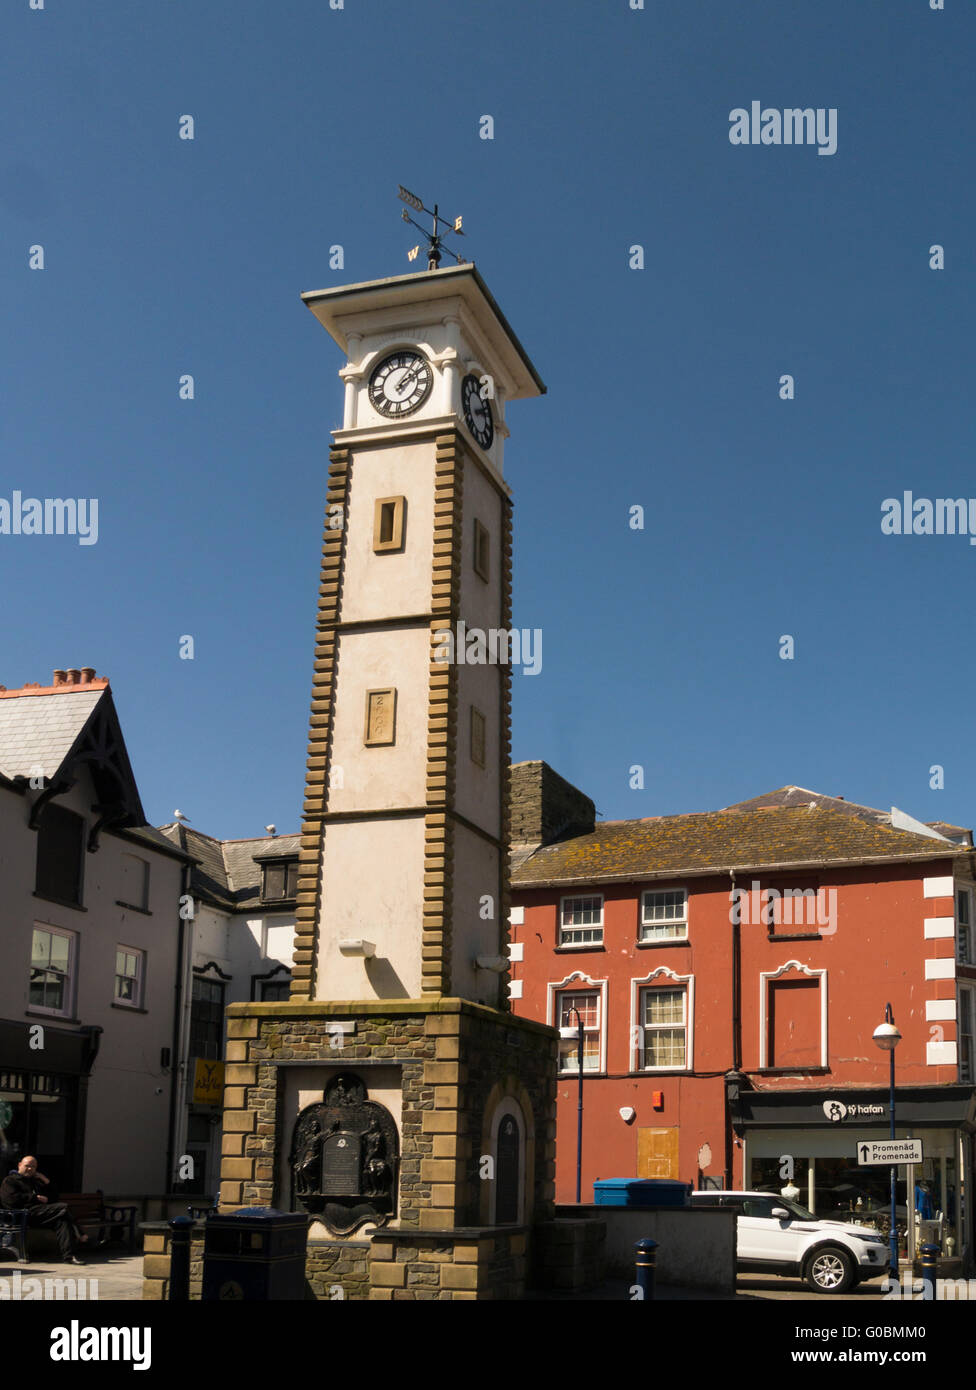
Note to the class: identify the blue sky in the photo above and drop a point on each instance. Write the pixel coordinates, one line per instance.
(762, 516)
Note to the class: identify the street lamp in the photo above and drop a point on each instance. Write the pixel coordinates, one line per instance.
(887, 1036)
(569, 1034)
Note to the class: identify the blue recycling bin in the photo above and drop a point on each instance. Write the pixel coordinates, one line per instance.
(255, 1254)
(641, 1192)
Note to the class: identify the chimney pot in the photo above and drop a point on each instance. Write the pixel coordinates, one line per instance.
(59, 678)
(87, 674)
(74, 675)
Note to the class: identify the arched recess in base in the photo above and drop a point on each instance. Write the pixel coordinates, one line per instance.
(508, 1139)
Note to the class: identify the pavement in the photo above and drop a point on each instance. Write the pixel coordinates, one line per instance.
(109, 1275)
(104, 1276)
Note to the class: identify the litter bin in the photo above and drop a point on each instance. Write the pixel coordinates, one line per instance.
(255, 1253)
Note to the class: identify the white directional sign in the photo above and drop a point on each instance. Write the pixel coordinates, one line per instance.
(889, 1151)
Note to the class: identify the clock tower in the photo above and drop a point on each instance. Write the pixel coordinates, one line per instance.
(395, 1098)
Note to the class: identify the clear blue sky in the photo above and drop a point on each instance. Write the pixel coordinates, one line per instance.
(661, 646)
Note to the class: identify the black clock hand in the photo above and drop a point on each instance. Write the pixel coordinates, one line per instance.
(411, 372)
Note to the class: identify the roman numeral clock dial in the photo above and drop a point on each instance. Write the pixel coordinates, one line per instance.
(477, 412)
(400, 384)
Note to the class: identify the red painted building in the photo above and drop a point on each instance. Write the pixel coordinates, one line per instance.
(729, 969)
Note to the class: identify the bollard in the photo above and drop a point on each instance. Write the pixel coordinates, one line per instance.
(927, 1257)
(179, 1259)
(646, 1260)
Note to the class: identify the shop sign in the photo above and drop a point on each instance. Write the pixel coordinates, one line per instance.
(836, 1110)
(208, 1082)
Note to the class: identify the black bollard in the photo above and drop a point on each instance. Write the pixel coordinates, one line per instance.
(179, 1259)
(646, 1261)
(927, 1257)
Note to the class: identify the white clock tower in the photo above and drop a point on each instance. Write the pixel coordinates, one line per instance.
(395, 1095)
(405, 830)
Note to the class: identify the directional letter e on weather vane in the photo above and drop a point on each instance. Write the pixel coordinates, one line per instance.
(434, 238)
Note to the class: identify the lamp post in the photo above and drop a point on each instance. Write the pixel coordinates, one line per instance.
(887, 1036)
(568, 1034)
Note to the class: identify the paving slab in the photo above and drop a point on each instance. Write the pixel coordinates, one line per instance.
(103, 1277)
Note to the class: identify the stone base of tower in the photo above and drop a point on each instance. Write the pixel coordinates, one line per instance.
(471, 1091)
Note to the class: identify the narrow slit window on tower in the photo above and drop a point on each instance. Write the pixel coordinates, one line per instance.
(481, 552)
(477, 737)
(388, 517)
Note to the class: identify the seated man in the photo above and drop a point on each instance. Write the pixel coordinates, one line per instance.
(19, 1189)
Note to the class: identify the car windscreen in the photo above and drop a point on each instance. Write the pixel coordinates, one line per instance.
(795, 1209)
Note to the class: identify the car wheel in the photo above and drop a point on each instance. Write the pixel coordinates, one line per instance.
(831, 1269)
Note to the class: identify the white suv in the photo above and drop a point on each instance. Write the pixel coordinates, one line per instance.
(777, 1236)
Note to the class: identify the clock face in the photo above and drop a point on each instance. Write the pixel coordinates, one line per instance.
(477, 412)
(400, 383)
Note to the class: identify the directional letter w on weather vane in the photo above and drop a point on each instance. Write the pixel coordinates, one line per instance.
(435, 237)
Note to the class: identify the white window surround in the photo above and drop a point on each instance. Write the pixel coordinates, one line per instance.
(590, 927)
(136, 1002)
(69, 975)
(938, 1010)
(508, 1106)
(938, 927)
(636, 986)
(940, 969)
(645, 930)
(578, 982)
(964, 1033)
(765, 978)
(964, 929)
(938, 887)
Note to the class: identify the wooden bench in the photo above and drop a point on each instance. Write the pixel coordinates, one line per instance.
(90, 1212)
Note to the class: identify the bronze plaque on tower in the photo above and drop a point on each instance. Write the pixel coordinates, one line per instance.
(344, 1158)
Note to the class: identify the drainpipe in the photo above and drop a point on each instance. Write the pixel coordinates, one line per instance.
(177, 1029)
(736, 1029)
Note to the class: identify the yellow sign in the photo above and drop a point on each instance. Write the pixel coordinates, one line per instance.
(208, 1082)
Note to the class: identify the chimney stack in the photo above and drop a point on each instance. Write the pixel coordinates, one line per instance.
(73, 676)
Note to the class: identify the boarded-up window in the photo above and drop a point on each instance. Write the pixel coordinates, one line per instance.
(134, 889)
(794, 1023)
(657, 1153)
(60, 850)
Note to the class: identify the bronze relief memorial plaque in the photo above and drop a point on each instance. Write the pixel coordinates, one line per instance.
(344, 1158)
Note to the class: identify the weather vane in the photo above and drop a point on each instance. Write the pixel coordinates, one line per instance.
(435, 243)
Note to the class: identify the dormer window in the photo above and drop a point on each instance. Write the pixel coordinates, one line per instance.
(280, 881)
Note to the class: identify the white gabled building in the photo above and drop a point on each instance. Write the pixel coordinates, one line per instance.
(240, 947)
(89, 942)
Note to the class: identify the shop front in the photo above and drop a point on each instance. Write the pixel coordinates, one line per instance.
(42, 1100)
(809, 1140)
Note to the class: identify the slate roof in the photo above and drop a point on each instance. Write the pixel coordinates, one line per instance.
(39, 730)
(226, 872)
(951, 832)
(715, 841)
(802, 796)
